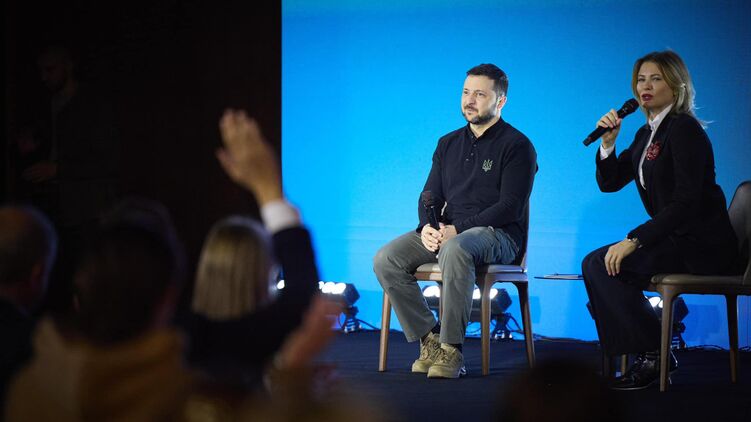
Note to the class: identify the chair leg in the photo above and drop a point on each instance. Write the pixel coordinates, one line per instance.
(732, 306)
(667, 335)
(527, 322)
(385, 327)
(485, 327)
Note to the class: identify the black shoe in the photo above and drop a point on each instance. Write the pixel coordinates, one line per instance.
(644, 373)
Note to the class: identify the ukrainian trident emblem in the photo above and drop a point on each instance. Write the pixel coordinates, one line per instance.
(487, 165)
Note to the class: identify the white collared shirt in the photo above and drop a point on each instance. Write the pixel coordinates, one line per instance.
(653, 125)
(279, 215)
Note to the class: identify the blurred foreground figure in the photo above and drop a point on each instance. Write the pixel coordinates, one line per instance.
(242, 331)
(28, 244)
(120, 359)
(117, 358)
(558, 391)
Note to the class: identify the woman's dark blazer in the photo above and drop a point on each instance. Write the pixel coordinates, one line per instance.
(245, 345)
(685, 204)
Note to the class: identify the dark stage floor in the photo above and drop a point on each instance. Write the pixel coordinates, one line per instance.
(701, 389)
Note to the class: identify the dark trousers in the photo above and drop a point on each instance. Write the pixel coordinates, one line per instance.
(625, 320)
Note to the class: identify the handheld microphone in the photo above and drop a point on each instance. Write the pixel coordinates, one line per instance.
(628, 107)
(428, 201)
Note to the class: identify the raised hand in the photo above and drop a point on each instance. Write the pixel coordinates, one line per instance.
(247, 158)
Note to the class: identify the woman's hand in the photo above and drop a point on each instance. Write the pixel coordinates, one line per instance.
(615, 256)
(612, 121)
(247, 158)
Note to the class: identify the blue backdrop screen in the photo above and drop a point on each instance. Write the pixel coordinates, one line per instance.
(368, 89)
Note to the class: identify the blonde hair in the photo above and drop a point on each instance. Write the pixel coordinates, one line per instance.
(676, 75)
(234, 272)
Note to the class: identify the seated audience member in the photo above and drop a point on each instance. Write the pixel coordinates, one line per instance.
(241, 325)
(233, 323)
(117, 358)
(28, 244)
(234, 275)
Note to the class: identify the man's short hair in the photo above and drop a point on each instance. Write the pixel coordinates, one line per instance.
(123, 278)
(27, 238)
(498, 76)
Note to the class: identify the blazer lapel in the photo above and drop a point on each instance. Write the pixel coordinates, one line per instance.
(658, 145)
(637, 149)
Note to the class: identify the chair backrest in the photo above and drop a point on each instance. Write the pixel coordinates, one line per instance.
(740, 218)
(521, 258)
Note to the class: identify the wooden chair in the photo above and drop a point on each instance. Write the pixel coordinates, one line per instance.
(486, 277)
(670, 286)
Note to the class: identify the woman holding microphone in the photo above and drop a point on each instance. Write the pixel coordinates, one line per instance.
(672, 163)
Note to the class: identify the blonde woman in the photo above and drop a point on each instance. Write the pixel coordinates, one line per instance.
(672, 163)
(234, 276)
(234, 327)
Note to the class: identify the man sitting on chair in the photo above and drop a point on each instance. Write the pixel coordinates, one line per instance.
(483, 174)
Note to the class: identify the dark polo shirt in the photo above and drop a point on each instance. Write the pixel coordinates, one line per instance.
(484, 181)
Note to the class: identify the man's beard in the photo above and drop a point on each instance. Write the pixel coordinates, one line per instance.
(479, 119)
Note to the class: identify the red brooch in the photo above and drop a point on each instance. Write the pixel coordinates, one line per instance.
(653, 151)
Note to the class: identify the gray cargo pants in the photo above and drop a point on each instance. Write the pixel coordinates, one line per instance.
(395, 264)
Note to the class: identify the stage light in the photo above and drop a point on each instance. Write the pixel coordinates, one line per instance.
(327, 287)
(680, 310)
(339, 288)
(432, 296)
(432, 291)
(493, 293)
(344, 293)
(499, 303)
(347, 295)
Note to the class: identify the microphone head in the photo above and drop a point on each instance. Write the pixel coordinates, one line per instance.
(427, 199)
(628, 107)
